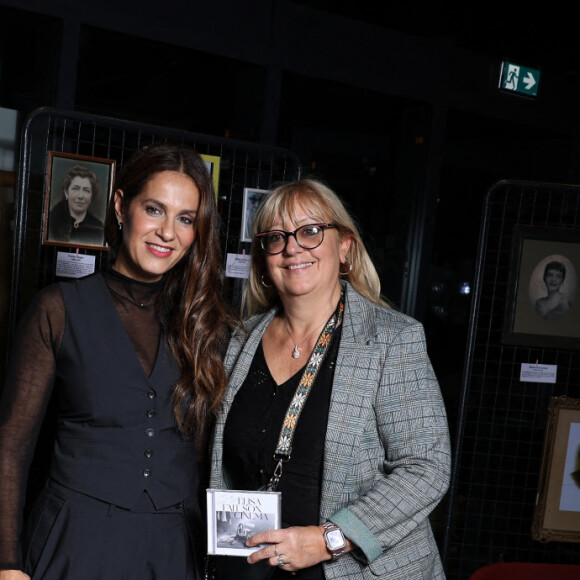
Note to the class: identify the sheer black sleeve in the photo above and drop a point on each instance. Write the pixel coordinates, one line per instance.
(29, 384)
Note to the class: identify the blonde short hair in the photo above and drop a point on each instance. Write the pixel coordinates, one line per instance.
(324, 206)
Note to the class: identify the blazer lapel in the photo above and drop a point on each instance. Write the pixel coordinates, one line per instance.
(237, 363)
(345, 423)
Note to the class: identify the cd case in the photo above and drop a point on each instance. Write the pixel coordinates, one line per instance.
(235, 515)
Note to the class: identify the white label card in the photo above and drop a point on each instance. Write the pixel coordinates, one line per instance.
(70, 265)
(537, 373)
(238, 266)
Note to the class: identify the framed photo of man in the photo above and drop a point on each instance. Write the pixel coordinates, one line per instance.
(543, 304)
(77, 193)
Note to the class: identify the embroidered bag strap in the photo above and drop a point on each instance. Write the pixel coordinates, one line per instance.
(284, 446)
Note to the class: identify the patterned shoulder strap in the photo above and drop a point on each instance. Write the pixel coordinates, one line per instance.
(284, 446)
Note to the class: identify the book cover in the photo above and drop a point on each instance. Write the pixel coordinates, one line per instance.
(235, 515)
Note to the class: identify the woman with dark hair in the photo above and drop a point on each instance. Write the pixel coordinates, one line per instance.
(70, 220)
(333, 399)
(132, 360)
(555, 304)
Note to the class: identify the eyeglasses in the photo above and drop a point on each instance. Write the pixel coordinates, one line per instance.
(308, 237)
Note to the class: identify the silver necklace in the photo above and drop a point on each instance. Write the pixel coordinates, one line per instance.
(296, 352)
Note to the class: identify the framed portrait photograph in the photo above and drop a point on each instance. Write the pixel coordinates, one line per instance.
(557, 513)
(543, 301)
(77, 193)
(252, 199)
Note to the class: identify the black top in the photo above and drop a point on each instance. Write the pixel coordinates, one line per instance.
(251, 434)
(62, 227)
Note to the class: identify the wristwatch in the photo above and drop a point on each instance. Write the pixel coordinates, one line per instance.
(335, 540)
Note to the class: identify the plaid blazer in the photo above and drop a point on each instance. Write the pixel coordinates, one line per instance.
(387, 455)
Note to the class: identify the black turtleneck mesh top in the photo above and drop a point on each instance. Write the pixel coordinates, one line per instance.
(30, 380)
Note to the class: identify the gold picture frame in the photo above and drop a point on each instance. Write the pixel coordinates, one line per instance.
(557, 512)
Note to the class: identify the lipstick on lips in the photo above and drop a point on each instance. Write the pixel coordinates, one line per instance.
(159, 251)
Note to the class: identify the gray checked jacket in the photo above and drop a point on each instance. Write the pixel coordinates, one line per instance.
(387, 455)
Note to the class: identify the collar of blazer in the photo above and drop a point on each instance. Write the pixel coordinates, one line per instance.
(359, 327)
(358, 324)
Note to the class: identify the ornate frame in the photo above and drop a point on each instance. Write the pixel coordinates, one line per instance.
(559, 487)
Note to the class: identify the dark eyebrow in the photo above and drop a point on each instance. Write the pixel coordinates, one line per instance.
(164, 207)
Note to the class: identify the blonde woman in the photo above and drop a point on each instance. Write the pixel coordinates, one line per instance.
(370, 454)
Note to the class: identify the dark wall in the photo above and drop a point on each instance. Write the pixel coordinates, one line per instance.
(407, 125)
(409, 128)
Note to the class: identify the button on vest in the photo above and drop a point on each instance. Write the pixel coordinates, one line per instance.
(116, 430)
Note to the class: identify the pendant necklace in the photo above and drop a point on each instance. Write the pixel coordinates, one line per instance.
(129, 296)
(295, 353)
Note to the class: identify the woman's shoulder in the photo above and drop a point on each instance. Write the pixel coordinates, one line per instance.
(91, 280)
(250, 324)
(93, 221)
(381, 314)
(251, 328)
(48, 298)
(59, 209)
(394, 326)
(254, 321)
(52, 297)
(45, 313)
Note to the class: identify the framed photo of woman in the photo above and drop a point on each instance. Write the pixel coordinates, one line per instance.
(77, 193)
(557, 513)
(543, 304)
(252, 199)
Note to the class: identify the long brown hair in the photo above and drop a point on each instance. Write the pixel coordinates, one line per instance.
(196, 314)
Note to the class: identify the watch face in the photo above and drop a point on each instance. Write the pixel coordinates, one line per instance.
(335, 540)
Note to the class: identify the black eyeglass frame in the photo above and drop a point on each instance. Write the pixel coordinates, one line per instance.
(287, 235)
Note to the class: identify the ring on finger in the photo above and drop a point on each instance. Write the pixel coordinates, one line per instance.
(281, 561)
(275, 551)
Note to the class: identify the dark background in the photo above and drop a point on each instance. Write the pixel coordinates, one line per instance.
(394, 105)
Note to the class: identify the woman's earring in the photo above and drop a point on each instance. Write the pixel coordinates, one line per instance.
(264, 283)
(349, 268)
(120, 224)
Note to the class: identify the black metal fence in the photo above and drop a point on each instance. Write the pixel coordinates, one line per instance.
(502, 420)
(241, 165)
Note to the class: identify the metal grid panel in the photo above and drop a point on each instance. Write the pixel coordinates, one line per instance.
(502, 420)
(241, 165)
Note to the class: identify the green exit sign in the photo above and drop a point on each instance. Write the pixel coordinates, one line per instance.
(515, 78)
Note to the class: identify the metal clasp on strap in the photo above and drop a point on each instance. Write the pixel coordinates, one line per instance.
(281, 459)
